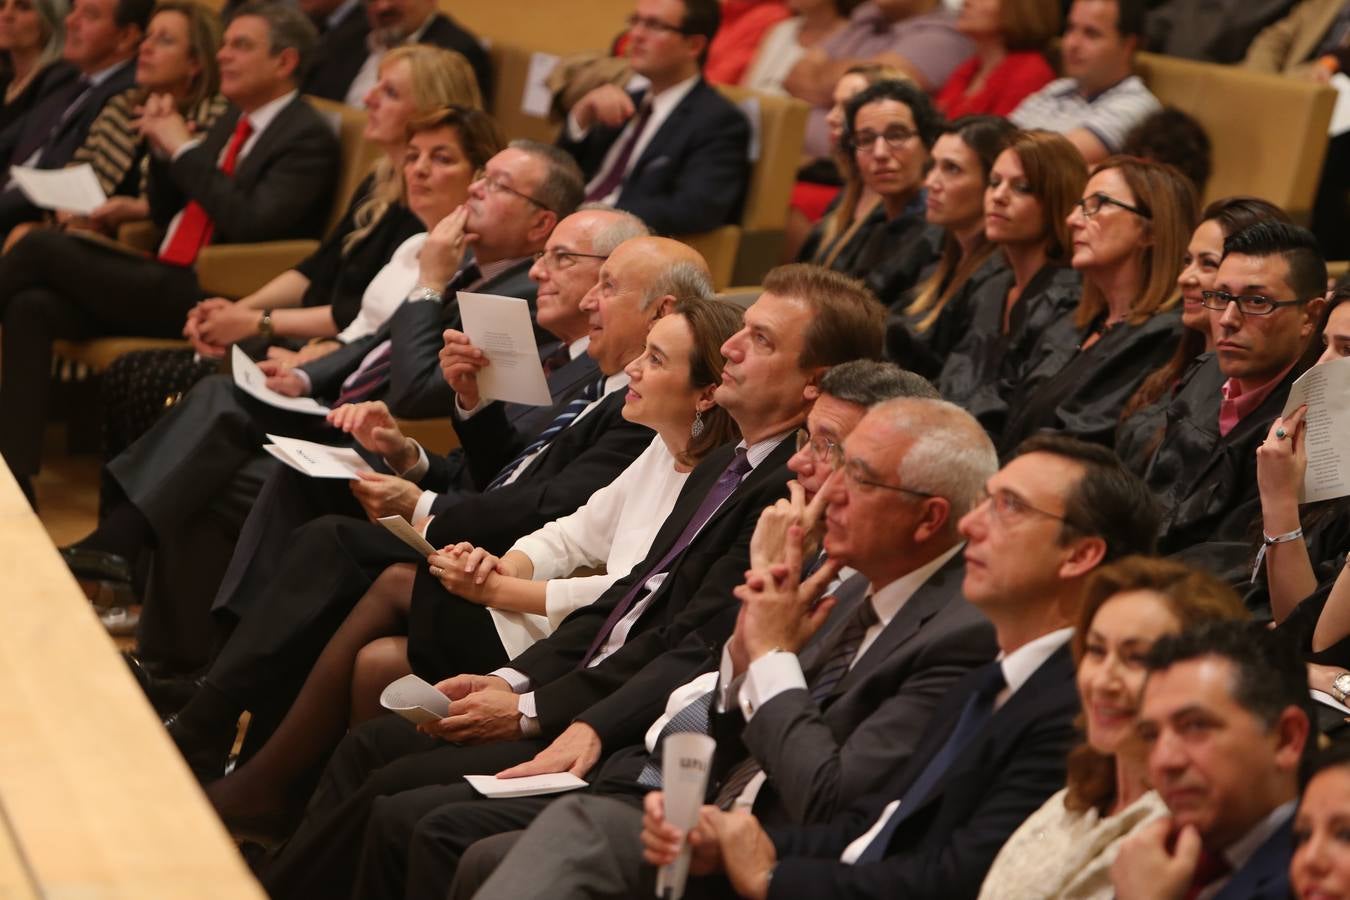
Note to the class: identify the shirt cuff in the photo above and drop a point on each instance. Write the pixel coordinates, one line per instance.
(185, 147)
(529, 713)
(304, 378)
(770, 675)
(518, 681)
(418, 470)
(424, 504)
(466, 414)
(574, 131)
(727, 682)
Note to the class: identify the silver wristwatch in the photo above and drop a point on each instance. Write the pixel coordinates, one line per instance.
(1340, 686)
(424, 293)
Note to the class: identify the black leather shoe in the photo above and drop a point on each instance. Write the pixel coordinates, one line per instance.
(97, 565)
(206, 755)
(167, 693)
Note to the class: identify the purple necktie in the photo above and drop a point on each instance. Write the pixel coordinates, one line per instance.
(614, 177)
(725, 486)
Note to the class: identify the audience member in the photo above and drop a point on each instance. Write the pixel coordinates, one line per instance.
(1129, 232)
(890, 128)
(1224, 722)
(290, 589)
(502, 606)
(32, 35)
(1209, 31)
(996, 747)
(1264, 309)
(321, 298)
(743, 28)
(329, 15)
(675, 154)
(347, 63)
(54, 285)
(1065, 849)
(917, 39)
(1009, 63)
(800, 735)
(1144, 417)
(938, 317)
(1171, 136)
(811, 22)
(805, 321)
(1099, 99)
(1319, 867)
(1032, 188)
(101, 41)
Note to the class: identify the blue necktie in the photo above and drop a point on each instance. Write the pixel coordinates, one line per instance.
(979, 707)
(694, 717)
(573, 409)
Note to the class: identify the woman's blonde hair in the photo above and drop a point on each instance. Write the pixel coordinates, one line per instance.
(1167, 200)
(440, 78)
(203, 32)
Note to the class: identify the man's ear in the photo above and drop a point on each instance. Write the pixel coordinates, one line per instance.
(1085, 554)
(812, 390)
(664, 307)
(1292, 731)
(1312, 312)
(937, 515)
(545, 220)
(128, 39)
(288, 64)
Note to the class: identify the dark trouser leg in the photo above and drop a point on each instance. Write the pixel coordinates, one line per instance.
(478, 863)
(379, 758)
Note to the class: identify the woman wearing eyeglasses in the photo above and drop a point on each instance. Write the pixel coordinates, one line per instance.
(1145, 414)
(1129, 232)
(1032, 188)
(890, 128)
(503, 605)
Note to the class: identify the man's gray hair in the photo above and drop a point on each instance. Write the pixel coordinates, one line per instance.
(287, 29)
(682, 280)
(951, 455)
(868, 382)
(563, 187)
(622, 226)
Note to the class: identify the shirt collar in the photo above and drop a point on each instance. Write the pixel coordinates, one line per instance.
(889, 600)
(1022, 663)
(613, 383)
(760, 451)
(1237, 404)
(102, 75)
(1241, 850)
(578, 347)
(489, 271)
(375, 42)
(670, 98)
(334, 18)
(261, 117)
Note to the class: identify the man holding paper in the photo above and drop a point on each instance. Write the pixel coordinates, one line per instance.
(1266, 302)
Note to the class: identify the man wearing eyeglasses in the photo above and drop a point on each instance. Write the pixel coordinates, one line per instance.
(674, 153)
(1264, 309)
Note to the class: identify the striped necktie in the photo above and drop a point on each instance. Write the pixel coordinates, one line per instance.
(563, 419)
(694, 717)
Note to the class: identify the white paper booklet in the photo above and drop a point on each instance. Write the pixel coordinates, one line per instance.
(251, 380)
(415, 700)
(1326, 699)
(502, 328)
(1326, 390)
(529, 786)
(317, 460)
(74, 189)
(407, 534)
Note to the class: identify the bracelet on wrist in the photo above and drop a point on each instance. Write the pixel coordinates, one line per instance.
(265, 329)
(1268, 541)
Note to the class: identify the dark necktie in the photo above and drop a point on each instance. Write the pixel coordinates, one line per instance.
(561, 421)
(726, 485)
(556, 360)
(694, 717)
(1209, 868)
(374, 372)
(615, 175)
(979, 707)
(194, 228)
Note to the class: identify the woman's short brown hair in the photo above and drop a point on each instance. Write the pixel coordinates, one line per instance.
(203, 32)
(1193, 597)
(711, 322)
(1056, 173)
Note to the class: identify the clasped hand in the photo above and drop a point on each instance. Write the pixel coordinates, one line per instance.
(734, 841)
(162, 125)
(483, 709)
(468, 571)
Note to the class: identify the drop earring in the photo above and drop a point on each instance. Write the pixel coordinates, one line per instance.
(697, 430)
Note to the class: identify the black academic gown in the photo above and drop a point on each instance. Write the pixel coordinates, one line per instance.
(926, 351)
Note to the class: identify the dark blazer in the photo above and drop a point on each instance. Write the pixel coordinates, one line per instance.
(690, 605)
(343, 51)
(693, 173)
(282, 189)
(943, 849)
(1205, 483)
(820, 759)
(44, 127)
(415, 389)
(1266, 874)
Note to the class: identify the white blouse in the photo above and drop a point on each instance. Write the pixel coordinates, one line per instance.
(778, 52)
(387, 290)
(1065, 855)
(613, 531)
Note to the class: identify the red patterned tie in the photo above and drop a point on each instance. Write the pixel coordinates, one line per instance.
(194, 226)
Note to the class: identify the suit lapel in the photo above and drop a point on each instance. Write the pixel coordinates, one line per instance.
(667, 139)
(848, 595)
(1266, 872)
(276, 133)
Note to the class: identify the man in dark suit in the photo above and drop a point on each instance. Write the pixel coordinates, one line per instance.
(1265, 306)
(101, 41)
(994, 752)
(1224, 716)
(349, 56)
(265, 171)
(674, 154)
(822, 708)
(806, 320)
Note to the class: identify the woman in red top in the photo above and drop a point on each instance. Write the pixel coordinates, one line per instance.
(1008, 64)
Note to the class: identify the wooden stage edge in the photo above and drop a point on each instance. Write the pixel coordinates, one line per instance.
(95, 801)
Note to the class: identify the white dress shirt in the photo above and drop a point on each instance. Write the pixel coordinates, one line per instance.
(386, 290)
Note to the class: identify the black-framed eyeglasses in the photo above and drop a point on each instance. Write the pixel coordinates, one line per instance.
(565, 259)
(1247, 304)
(1093, 203)
(822, 448)
(896, 136)
(647, 22)
(496, 186)
(1006, 508)
(858, 477)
